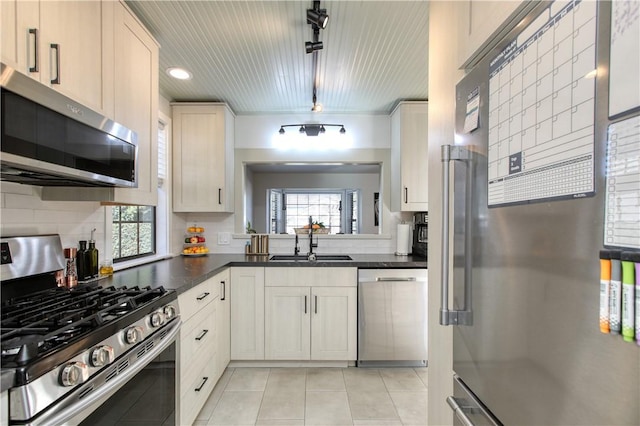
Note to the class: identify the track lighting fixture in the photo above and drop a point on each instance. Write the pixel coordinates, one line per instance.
(311, 46)
(312, 129)
(317, 16)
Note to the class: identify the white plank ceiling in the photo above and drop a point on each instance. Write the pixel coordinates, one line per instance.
(250, 54)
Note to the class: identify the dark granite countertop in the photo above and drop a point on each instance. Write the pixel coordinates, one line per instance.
(182, 273)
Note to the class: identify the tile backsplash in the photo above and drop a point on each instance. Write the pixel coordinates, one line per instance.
(24, 213)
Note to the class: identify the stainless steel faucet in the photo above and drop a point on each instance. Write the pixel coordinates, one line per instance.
(311, 243)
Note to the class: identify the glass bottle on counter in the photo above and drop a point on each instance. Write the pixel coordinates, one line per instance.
(81, 262)
(92, 259)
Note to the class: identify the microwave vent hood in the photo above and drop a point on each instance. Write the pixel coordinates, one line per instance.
(50, 140)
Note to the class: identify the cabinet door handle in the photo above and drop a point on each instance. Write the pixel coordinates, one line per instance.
(204, 380)
(305, 304)
(224, 290)
(201, 336)
(36, 57)
(202, 296)
(406, 195)
(316, 303)
(56, 47)
(219, 195)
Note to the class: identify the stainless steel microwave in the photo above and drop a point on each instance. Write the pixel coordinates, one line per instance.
(50, 140)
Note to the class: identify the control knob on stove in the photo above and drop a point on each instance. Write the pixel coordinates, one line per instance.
(157, 319)
(74, 373)
(169, 312)
(133, 335)
(102, 355)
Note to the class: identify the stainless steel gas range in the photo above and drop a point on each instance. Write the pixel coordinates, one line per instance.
(90, 354)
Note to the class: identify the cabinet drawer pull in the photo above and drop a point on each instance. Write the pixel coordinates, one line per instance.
(224, 290)
(219, 195)
(406, 195)
(202, 296)
(305, 304)
(201, 336)
(204, 380)
(316, 303)
(36, 57)
(56, 47)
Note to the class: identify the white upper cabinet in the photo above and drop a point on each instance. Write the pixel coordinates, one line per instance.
(202, 157)
(409, 147)
(58, 43)
(136, 101)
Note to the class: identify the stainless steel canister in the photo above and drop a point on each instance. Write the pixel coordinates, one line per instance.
(255, 243)
(264, 244)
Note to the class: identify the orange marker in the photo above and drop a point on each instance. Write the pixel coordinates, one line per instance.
(605, 284)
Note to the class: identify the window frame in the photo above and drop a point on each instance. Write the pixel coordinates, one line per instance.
(138, 221)
(281, 222)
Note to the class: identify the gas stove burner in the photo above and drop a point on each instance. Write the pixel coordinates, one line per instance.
(47, 322)
(13, 345)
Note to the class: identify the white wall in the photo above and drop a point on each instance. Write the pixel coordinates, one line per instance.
(362, 131)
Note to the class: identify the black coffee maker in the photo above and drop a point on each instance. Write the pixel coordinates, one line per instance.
(420, 231)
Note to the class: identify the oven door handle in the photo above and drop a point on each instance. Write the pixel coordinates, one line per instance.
(60, 414)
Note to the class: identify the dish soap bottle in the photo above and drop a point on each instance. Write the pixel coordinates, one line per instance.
(92, 256)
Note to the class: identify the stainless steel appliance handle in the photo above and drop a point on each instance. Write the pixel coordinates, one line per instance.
(386, 279)
(56, 47)
(36, 56)
(459, 411)
(454, 317)
(60, 416)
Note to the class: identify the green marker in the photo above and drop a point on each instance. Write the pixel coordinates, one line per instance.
(628, 297)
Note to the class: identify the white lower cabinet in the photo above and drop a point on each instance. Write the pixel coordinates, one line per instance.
(334, 323)
(287, 326)
(204, 345)
(223, 319)
(310, 314)
(247, 313)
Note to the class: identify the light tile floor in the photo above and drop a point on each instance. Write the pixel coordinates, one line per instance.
(318, 396)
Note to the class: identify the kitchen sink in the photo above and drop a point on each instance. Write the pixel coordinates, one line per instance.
(319, 257)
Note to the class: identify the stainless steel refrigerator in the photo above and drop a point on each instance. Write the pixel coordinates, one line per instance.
(528, 212)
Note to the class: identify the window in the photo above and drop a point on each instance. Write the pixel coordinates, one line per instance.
(337, 210)
(133, 231)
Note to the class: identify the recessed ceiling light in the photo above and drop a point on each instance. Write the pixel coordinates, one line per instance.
(179, 73)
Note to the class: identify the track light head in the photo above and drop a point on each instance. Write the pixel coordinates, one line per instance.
(322, 129)
(342, 130)
(281, 131)
(318, 18)
(312, 46)
(302, 129)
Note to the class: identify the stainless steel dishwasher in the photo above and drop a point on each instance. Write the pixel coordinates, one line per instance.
(392, 317)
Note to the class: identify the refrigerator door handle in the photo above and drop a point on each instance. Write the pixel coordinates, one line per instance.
(455, 317)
